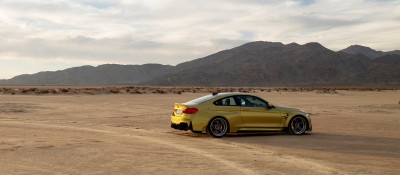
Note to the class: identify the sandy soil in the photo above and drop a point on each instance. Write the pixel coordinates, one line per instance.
(354, 133)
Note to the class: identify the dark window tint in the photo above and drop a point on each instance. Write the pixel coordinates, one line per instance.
(252, 101)
(228, 101)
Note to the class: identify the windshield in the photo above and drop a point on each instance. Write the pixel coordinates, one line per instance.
(200, 100)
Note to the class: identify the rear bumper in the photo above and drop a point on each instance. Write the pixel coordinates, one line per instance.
(181, 126)
(182, 122)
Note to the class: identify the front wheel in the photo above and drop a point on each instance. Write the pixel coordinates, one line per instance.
(298, 125)
(217, 127)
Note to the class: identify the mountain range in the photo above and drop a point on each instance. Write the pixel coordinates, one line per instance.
(257, 63)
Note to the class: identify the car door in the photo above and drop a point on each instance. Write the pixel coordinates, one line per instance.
(229, 108)
(256, 113)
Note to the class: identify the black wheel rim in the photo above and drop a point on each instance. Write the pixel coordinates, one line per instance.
(298, 125)
(218, 127)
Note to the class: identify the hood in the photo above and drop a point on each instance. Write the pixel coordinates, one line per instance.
(288, 109)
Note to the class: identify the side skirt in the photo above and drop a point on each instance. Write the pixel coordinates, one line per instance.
(259, 129)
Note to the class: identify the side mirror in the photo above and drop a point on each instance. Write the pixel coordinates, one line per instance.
(269, 106)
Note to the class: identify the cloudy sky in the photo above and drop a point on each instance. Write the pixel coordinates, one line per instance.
(38, 35)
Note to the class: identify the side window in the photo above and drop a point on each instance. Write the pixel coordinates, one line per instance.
(251, 101)
(228, 101)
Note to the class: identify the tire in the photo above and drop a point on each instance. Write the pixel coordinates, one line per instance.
(298, 125)
(218, 127)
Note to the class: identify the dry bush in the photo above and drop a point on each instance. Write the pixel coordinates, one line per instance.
(160, 91)
(46, 91)
(24, 91)
(232, 90)
(89, 93)
(244, 90)
(136, 91)
(114, 91)
(327, 91)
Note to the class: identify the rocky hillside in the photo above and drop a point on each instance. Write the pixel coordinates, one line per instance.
(366, 51)
(253, 64)
(276, 64)
(88, 75)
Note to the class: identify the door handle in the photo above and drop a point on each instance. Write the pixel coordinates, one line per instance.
(245, 109)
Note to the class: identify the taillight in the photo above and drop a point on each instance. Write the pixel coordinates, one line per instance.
(190, 110)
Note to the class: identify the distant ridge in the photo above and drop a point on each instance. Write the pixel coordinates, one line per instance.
(366, 51)
(275, 64)
(257, 63)
(107, 74)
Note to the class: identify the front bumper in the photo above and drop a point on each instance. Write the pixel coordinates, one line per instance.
(309, 123)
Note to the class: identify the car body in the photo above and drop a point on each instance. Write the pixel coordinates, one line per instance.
(221, 113)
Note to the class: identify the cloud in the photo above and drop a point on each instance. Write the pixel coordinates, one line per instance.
(173, 31)
(118, 50)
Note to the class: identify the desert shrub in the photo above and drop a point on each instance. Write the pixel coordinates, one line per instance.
(160, 91)
(44, 91)
(327, 91)
(136, 91)
(90, 93)
(114, 91)
(243, 90)
(24, 91)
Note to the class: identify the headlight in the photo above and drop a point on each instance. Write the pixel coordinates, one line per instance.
(307, 114)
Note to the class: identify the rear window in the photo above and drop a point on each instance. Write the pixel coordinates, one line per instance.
(200, 100)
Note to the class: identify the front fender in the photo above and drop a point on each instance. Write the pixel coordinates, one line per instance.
(305, 115)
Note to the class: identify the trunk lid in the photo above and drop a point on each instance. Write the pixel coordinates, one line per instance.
(178, 108)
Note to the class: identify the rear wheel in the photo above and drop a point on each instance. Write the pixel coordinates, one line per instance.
(298, 125)
(218, 127)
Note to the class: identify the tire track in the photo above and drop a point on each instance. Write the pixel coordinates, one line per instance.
(175, 142)
(230, 164)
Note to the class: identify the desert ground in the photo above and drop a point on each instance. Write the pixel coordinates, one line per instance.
(354, 132)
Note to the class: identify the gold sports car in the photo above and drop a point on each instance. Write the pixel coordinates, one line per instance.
(221, 113)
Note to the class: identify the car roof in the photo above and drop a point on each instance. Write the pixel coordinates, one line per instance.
(213, 96)
(224, 94)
